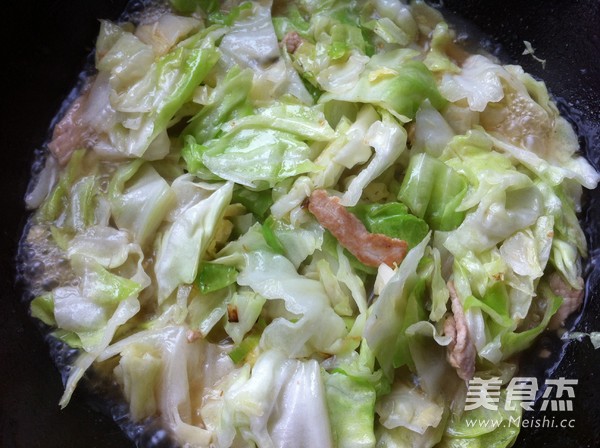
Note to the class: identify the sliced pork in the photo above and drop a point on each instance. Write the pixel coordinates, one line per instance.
(371, 249)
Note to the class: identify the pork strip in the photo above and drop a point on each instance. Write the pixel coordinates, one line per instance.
(292, 41)
(371, 249)
(572, 300)
(71, 133)
(461, 351)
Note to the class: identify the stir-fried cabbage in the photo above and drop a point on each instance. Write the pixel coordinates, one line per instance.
(194, 259)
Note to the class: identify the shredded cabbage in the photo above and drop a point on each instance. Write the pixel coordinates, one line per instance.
(194, 261)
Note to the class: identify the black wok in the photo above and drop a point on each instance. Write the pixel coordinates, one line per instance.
(46, 46)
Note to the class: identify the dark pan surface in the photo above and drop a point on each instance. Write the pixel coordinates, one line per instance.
(45, 47)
